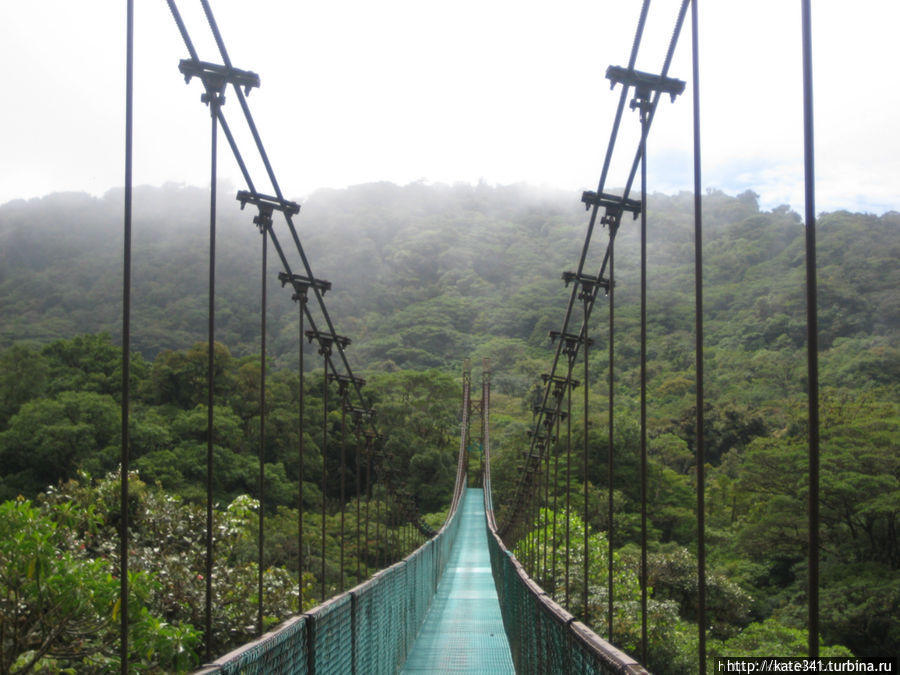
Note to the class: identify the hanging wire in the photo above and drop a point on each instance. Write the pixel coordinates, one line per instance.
(343, 483)
(368, 498)
(698, 337)
(356, 455)
(555, 505)
(126, 339)
(262, 427)
(543, 522)
(513, 513)
(210, 372)
(241, 98)
(324, 468)
(511, 518)
(301, 300)
(584, 467)
(408, 507)
(610, 587)
(643, 153)
(379, 542)
(569, 388)
(812, 330)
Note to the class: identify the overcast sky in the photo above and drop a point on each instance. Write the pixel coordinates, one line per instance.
(495, 90)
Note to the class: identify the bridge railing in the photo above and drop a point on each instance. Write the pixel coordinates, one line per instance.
(543, 636)
(368, 629)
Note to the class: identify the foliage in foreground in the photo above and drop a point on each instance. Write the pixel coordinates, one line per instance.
(61, 592)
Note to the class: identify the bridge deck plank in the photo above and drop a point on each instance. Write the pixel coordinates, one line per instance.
(463, 630)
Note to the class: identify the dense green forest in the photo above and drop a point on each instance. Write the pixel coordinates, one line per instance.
(425, 276)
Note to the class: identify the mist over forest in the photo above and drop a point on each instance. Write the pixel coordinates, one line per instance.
(425, 276)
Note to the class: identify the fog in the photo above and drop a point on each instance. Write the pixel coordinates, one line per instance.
(402, 91)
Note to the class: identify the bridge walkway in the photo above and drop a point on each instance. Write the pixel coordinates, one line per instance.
(463, 629)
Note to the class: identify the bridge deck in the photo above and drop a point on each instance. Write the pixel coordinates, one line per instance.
(463, 630)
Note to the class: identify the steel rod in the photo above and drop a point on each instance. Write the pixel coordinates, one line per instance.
(584, 469)
(643, 153)
(210, 373)
(358, 532)
(698, 337)
(262, 428)
(277, 189)
(368, 500)
(542, 520)
(812, 331)
(666, 64)
(568, 482)
(610, 587)
(343, 487)
(126, 339)
(365, 554)
(270, 172)
(301, 300)
(324, 468)
(555, 507)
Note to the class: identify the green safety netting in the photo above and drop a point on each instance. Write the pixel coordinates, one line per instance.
(369, 629)
(544, 637)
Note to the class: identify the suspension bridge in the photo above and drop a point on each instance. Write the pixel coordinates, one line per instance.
(462, 600)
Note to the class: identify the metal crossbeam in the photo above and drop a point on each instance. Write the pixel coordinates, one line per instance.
(559, 380)
(302, 284)
(267, 202)
(326, 340)
(613, 204)
(215, 77)
(644, 83)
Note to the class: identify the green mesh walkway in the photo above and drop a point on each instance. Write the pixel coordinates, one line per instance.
(463, 629)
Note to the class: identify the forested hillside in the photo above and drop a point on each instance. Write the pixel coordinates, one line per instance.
(428, 275)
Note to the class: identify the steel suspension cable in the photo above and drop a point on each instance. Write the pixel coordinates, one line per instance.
(555, 506)
(643, 152)
(545, 526)
(210, 372)
(356, 455)
(264, 156)
(698, 337)
(126, 339)
(647, 114)
(368, 499)
(343, 473)
(379, 550)
(568, 481)
(410, 507)
(639, 31)
(304, 307)
(262, 427)
(812, 331)
(301, 300)
(393, 538)
(324, 468)
(667, 62)
(584, 464)
(611, 449)
(271, 174)
(535, 512)
(276, 187)
(635, 164)
(185, 36)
